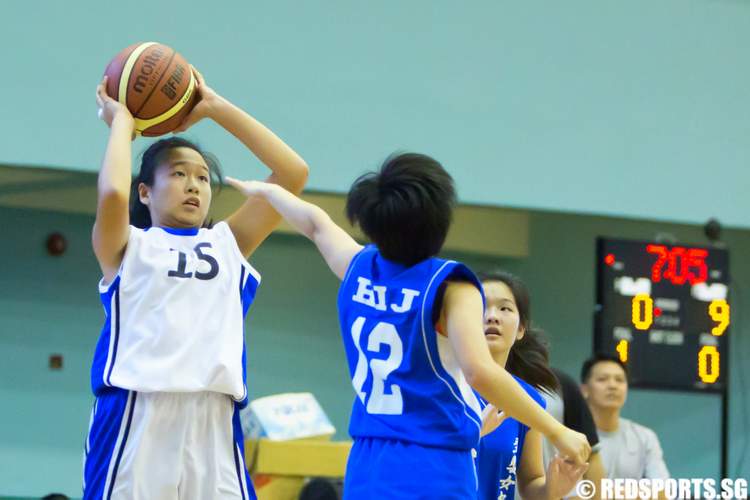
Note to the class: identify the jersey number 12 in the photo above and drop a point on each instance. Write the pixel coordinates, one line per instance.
(379, 402)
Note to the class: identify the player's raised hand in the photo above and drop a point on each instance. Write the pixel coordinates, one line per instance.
(562, 476)
(206, 105)
(108, 108)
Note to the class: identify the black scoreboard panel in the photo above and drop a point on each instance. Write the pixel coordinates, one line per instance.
(664, 310)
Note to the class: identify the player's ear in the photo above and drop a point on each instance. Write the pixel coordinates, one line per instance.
(584, 391)
(144, 193)
(521, 332)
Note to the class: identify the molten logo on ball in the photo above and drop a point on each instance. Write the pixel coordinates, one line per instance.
(147, 69)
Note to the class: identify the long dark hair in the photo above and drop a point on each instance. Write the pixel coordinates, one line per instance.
(528, 358)
(150, 159)
(405, 208)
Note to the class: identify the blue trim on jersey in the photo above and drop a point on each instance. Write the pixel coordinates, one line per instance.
(247, 295)
(101, 354)
(247, 292)
(248, 287)
(178, 231)
(117, 335)
(500, 453)
(244, 400)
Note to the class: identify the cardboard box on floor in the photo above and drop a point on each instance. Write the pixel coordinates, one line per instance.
(288, 441)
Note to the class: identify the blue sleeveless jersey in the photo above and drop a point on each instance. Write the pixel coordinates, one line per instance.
(407, 381)
(500, 454)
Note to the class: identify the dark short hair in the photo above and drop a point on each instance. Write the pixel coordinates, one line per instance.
(150, 159)
(528, 358)
(55, 496)
(405, 208)
(600, 357)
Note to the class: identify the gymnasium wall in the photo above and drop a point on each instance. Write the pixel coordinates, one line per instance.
(625, 108)
(50, 305)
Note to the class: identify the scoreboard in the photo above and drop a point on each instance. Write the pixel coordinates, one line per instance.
(665, 311)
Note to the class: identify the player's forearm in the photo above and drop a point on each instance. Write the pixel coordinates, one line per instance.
(499, 388)
(301, 215)
(115, 174)
(289, 169)
(535, 489)
(595, 473)
(462, 316)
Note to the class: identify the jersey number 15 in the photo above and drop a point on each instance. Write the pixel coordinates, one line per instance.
(182, 272)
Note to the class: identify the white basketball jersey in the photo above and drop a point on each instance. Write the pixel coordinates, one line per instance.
(175, 313)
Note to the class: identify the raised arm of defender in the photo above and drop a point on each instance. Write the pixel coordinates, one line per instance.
(335, 245)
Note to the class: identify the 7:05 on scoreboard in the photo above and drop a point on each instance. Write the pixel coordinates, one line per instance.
(664, 310)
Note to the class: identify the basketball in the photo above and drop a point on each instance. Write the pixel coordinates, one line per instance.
(155, 83)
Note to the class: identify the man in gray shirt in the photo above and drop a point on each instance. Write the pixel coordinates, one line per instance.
(627, 449)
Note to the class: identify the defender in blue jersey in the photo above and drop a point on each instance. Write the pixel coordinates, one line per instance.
(169, 368)
(510, 458)
(412, 330)
(501, 454)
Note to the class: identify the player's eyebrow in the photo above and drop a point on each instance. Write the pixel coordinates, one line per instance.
(187, 162)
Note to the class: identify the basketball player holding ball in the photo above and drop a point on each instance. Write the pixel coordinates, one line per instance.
(169, 368)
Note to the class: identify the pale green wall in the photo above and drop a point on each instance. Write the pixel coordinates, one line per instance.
(620, 107)
(50, 305)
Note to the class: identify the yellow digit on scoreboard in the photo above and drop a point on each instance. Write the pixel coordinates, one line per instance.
(719, 312)
(643, 311)
(709, 364)
(622, 350)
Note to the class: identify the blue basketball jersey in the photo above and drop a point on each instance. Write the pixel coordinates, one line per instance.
(406, 377)
(500, 454)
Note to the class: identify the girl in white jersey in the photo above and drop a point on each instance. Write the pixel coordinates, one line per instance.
(169, 368)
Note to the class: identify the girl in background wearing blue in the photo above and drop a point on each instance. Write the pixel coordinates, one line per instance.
(511, 454)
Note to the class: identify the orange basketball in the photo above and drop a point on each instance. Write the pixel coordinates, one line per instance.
(155, 83)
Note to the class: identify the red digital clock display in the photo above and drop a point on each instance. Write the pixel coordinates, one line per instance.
(679, 265)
